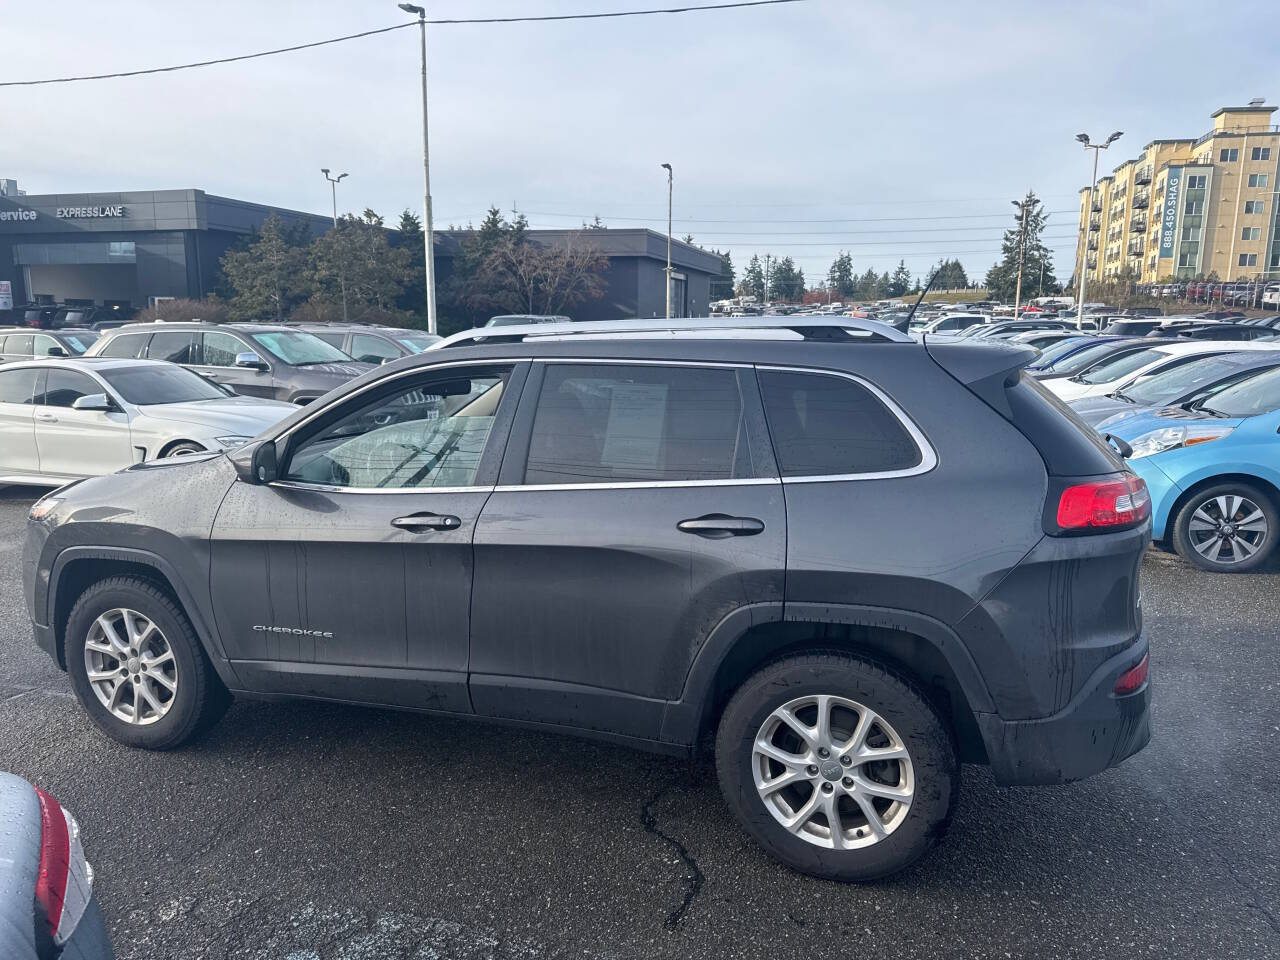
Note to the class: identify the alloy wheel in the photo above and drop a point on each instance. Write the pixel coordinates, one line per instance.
(131, 667)
(1227, 529)
(833, 772)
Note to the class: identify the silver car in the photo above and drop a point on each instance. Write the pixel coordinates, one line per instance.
(63, 420)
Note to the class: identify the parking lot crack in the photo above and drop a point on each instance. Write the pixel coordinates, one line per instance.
(693, 876)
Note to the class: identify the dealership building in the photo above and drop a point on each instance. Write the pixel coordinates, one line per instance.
(130, 249)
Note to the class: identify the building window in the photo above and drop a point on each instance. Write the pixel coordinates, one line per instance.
(1187, 258)
(1229, 155)
(1254, 206)
(1196, 182)
(1248, 260)
(1251, 233)
(1261, 153)
(1258, 179)
(1194, 207)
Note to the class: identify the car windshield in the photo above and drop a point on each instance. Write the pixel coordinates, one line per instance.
(161, 383)
(79, 342)
(1167, 385)
(417, 342)
(298, 349)
(1086, 358)
(1113, 368)
(1260, 394)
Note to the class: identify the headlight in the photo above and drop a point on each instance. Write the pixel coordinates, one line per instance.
(1170, 438)
(43, 507)
(229, 442)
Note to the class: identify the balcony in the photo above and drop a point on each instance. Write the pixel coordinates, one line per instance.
(1096, 206)
(1138, 225)
(1093, 263)
(1093, 243)
(1141, 200)
(1135, 249)
(1143, 175)
(1095, 223)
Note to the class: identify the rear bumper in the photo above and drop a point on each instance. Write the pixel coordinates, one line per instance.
(1096, 730)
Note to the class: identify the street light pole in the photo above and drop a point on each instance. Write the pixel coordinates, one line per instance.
(342, 267)
(670, 189)
(428, 237)
(1022, 250)
(1097, 148)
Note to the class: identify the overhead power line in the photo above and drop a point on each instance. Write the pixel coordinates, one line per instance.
(398, 26)
(750, 220)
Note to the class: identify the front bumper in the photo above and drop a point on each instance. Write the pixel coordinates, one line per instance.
(1096, 730)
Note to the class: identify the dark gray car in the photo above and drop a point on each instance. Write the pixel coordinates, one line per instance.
(855, 558)
(254, 359)
(372, 344)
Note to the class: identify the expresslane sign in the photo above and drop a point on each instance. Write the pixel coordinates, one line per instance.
(81, 213)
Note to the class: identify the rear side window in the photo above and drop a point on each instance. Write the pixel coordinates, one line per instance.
(176, 347)
(827, 425)
(1068, 445)
(18, 386)
(127, 346)
(621, 423)
(18, 345)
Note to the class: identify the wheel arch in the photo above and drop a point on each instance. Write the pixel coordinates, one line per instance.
(164, 451)
(924, 649)
(75, 569)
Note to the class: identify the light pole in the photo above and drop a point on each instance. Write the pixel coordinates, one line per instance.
(670, 189)
(1022, 250)
(428, 240)
(342, 267)
(1093, 185)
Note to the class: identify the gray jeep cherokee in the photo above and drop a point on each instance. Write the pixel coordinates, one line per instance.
(854, 558)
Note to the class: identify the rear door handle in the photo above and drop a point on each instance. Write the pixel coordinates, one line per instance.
(421, 522)
(46, 418)
(717, 526)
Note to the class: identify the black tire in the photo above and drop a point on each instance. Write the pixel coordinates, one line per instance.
(200, 698)
(181, 447)
(1182, 534)
(930, 745)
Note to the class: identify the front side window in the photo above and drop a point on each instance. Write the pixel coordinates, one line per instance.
(124, 347)
(220, 349)
(42, 346)
(617, 423)
(299, 349)
(18, 386)
(65, 387)
(177, 346)
(429, 432)
(825, 425)
(372, 349)
(416, 342)
(79, 342)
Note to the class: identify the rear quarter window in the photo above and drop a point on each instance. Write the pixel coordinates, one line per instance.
(1068, 445)
(127, 346)
(828, 425)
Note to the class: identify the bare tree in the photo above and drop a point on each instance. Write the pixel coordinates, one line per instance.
(527, 277)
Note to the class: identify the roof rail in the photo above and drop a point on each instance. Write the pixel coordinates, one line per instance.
(806, 328)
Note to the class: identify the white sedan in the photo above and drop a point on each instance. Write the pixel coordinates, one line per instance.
(1117, 372)
(63, 420)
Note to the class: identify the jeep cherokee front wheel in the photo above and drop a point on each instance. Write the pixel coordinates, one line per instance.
(837, 766)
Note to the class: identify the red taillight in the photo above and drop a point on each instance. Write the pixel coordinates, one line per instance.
(55, 860)
(1133, 678)
(1109, 503)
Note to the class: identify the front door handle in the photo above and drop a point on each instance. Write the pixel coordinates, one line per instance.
(717, 526)
(421, 522)
(46, 418)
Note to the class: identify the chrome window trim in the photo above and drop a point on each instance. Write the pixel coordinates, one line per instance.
(632, 485)
(407, 491)
(928, 456)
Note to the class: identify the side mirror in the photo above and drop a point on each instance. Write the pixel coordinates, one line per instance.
(256, 463)
(57, 352)
(250, 360)
(93, 401)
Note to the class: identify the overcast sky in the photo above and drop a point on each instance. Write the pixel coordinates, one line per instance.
(874, 113)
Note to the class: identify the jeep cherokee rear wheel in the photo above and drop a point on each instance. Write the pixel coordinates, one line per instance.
(837, 766)
(137, 667)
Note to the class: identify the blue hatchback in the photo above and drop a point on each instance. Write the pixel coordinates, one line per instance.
(1213, 473)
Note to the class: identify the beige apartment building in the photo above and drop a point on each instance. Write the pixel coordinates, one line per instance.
(1189, 208)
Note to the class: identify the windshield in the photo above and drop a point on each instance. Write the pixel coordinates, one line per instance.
(299, 349)
(1167, 385)
(1256, 395)
(1051, 353)
(1116, 367)
(161, 383)
(79, 342)
(1087, 358)
(417, 342)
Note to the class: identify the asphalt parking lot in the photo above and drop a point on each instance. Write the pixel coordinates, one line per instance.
(314, 832)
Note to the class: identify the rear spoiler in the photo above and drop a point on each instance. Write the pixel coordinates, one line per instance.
(986, 368)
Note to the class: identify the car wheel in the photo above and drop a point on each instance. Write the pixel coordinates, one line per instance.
(181, 448)
(839, 767)
(1229, 528)
(137, 667)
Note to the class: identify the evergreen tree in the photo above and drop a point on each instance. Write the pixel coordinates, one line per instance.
(359, 254)
(409, 238)
(900, 282)
(1022, 244)
(268, 277)
(840, 279)
(723, 285)
(865, 288)
(753, 279)
(786, 282)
